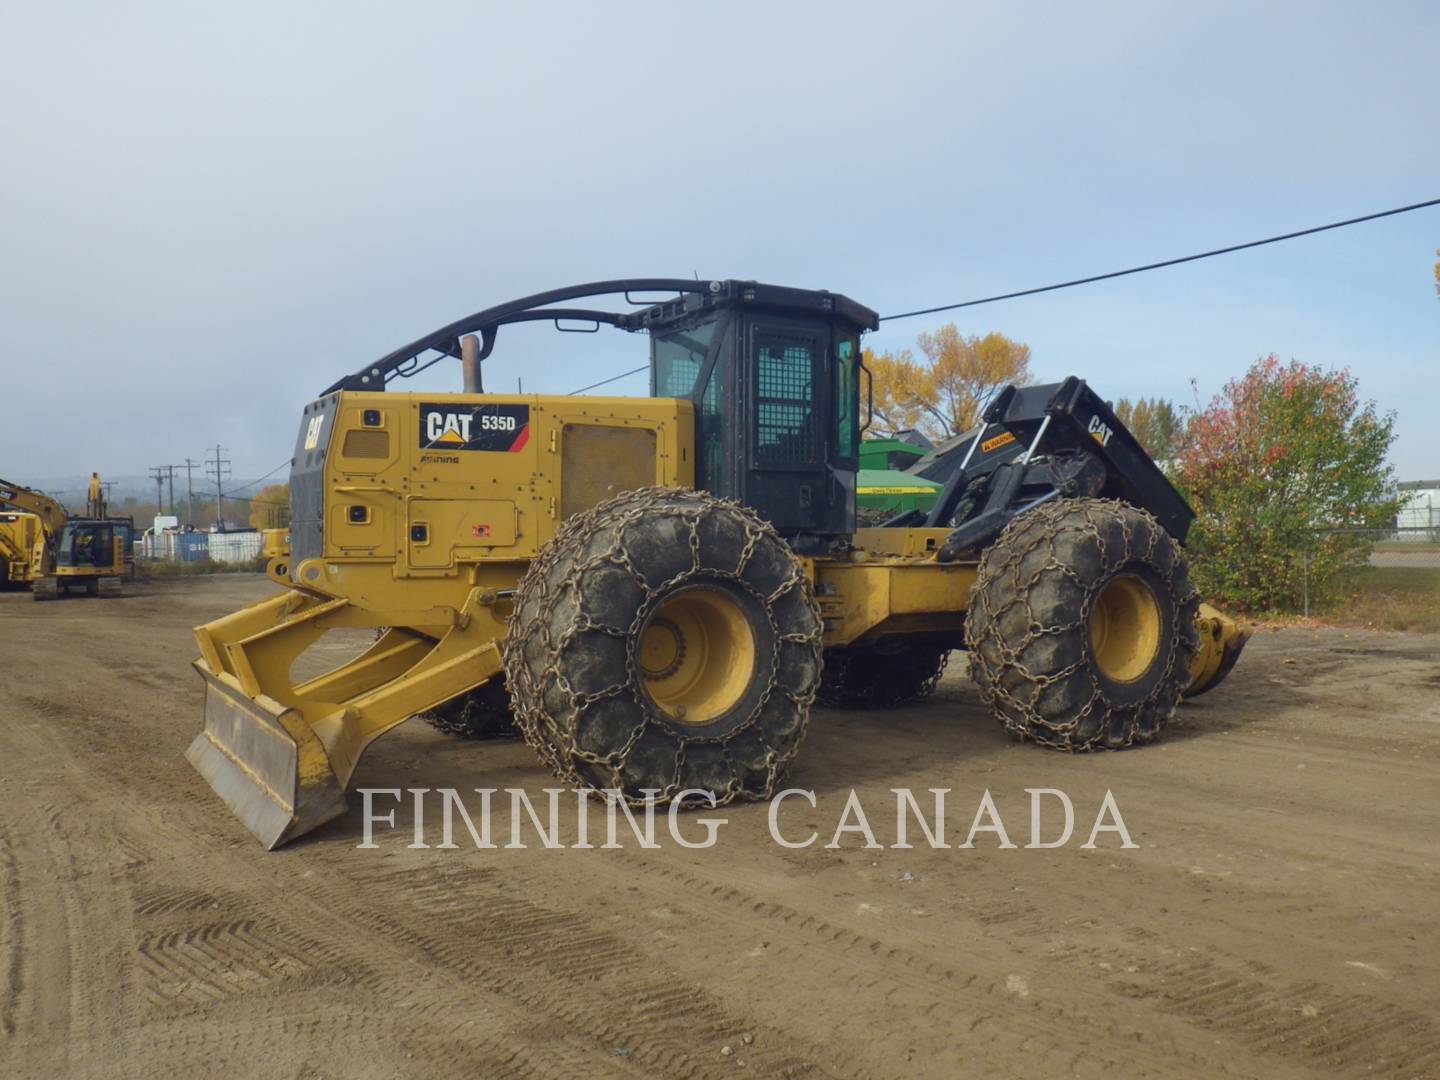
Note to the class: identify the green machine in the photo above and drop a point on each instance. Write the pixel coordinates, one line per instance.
(882, 486)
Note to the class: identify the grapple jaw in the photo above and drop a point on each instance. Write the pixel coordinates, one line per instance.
(1222, 640)
(280, 754)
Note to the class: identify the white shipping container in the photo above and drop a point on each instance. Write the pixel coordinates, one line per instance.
(234, 547)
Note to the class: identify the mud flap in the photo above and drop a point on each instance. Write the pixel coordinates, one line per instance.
(265, 762)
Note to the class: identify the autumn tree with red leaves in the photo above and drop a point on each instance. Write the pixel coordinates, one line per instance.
(1280, 463)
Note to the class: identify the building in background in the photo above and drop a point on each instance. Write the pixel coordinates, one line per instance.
(1419, 516)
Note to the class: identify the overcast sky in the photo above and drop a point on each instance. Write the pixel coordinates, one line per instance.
(208, 213)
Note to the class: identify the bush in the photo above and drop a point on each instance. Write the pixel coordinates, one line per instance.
(1279, 460)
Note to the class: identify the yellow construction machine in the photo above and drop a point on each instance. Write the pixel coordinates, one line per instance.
(91, 552)
(29, 533)
(656, 590)
(22, 548)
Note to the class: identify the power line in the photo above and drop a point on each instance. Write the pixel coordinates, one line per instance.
(284, 464)
(1167, 262)
(613, 378)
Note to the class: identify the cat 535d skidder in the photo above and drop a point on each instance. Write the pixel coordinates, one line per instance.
(658, 588)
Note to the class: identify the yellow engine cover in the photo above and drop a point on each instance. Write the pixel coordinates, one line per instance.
(446, 491)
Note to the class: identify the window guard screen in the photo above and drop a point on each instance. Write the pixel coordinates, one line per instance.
(785, 428)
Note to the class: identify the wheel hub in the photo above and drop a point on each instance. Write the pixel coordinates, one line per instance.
(696, 654)
(662, 649)
(1125, 628)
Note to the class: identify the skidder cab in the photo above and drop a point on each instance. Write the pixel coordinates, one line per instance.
(654, 591)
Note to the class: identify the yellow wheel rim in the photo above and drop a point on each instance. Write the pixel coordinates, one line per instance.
(697, 655)
(1125, 629)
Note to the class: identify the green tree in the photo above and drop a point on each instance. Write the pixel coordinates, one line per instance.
(1156, 423)
(1280, 463)
(944, 393)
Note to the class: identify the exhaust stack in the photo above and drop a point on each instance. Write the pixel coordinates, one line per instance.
(470, 364)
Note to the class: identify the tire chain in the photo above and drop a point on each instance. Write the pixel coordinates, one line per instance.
(1013, 560)
(580, 545)
(482, 713)
(479, 714)
(838, 689)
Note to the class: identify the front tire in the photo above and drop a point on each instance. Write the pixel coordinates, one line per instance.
(665, 640)
(1081, 627)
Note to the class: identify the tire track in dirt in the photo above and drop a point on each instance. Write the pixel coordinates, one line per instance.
(13, 930)
(234, 963)
(1311, 1023)
(987, 994)
(205, 964)
(158, 902)
(558, 963)
(227, 966)
(1308, 1023)
(83, 914)
(440, 989)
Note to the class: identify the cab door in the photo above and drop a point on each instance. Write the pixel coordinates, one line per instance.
(788, 372)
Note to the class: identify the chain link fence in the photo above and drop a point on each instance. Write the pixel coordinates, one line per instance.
(198, 547)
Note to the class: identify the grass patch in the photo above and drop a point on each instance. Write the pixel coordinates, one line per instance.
(1389, 598)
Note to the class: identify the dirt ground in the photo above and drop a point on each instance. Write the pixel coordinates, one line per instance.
(1278, 919)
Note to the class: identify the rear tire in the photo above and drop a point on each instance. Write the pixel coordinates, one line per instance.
(881, 676)
(1081, 627)
(665, 640)
(482, 713)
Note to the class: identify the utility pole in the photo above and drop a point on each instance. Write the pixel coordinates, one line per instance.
(164, 473)
(190, 490)
(218, 470)
(158, 473)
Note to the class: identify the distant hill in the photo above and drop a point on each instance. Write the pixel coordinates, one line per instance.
(71, 490)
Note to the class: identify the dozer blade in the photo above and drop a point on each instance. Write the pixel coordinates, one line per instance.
(266, 764)
(280, 754)
(1221, 642)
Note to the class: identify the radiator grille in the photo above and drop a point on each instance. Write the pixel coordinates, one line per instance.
(366, 443)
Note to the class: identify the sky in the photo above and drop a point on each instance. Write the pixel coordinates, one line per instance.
(208, 213)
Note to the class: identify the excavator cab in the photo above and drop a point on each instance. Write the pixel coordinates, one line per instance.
(86, 544)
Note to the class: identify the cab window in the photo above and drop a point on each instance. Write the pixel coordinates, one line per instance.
(847, 397)
(679, 356)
